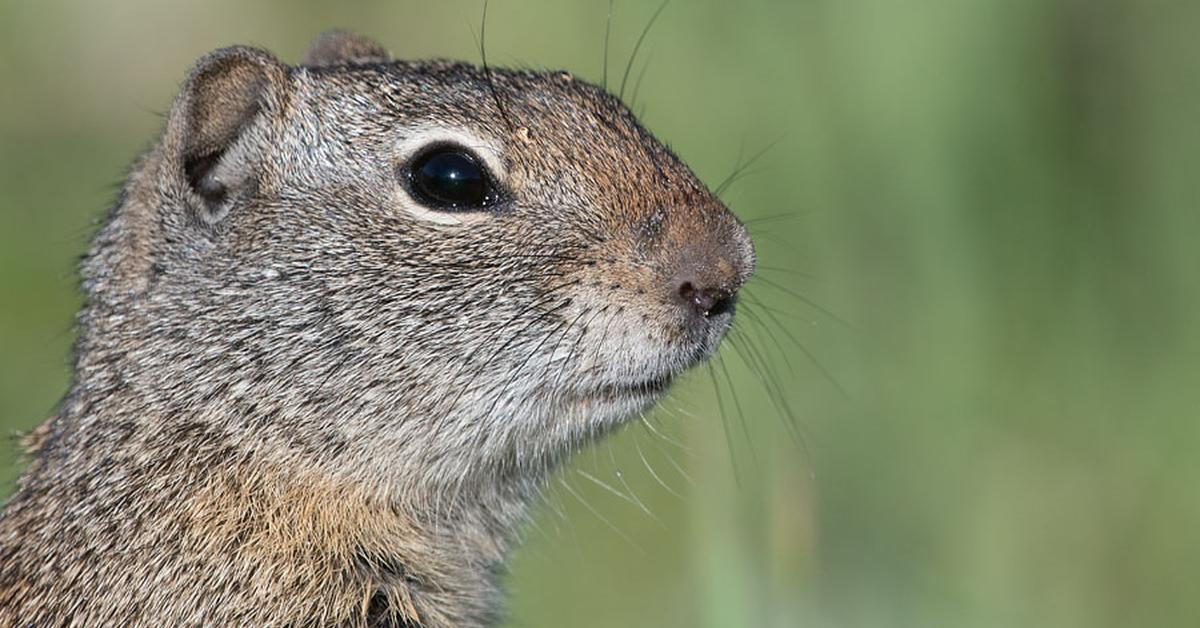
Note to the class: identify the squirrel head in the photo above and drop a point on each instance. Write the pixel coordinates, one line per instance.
(422, 271)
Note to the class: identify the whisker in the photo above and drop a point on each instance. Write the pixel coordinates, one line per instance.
(621, 477)
(737, 404)
(642, 455)
(536, 526)
(789, 271)
(602, 484)
(667, 439)
(637, 46)
(487, 70)
(607, 30)
(599, 516)
(519, 370)
(759, 304)
(776, 218)
(680, 409)
(554, 499)
(759, 236)
(666, 454)
(737, 475)
(502, 393)
(809, 302)
(740, 167)
(513, 337)
(728, 183)
(550, 361)
(575, 346)
(812, 358)
(774, 391)
(637, 85)
(608, 487)
(752, 317)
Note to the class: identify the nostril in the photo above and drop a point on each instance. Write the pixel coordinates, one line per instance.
(707, 302)
(723, 304)
(688, 291)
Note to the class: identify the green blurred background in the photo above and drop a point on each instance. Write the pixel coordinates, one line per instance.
(998, 198)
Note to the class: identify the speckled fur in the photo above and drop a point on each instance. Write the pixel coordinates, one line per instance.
(306, 405)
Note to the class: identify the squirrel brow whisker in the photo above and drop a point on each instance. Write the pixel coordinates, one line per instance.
(487, 70)
(637, 46)
(607, 30)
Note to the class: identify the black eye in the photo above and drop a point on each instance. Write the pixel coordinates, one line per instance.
(449, 177)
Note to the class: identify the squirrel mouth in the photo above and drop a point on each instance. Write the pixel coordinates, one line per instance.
(647, 389)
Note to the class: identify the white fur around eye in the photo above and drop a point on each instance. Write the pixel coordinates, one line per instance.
(487, 150)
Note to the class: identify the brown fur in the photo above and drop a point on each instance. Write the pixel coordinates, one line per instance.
(301, 397)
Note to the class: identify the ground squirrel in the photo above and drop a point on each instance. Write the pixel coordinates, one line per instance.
(343, 321)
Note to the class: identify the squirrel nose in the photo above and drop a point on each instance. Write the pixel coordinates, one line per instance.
(708, 258)
(707, 302)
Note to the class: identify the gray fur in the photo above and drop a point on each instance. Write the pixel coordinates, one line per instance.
(296, 401)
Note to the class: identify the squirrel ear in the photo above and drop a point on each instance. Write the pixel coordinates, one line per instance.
(223, 95)
(344, 48)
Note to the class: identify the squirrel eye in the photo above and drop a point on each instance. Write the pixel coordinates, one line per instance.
(450, 177)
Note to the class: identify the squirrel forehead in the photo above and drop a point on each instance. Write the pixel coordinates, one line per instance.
(535, 116)
(442, 82)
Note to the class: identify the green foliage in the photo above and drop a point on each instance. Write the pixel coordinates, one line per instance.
(999, 197)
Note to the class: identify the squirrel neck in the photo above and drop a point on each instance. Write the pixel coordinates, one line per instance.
(288, 537)
(354, 548)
